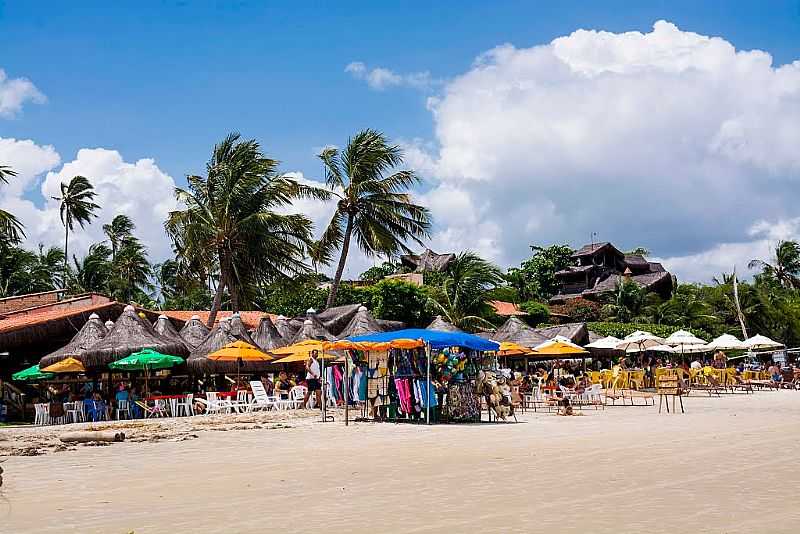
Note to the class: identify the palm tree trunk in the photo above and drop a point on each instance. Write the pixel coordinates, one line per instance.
(66, 255)
(348, 230)
(212, 316)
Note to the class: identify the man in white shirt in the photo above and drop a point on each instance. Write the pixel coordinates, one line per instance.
(313, 375)
(696, 365)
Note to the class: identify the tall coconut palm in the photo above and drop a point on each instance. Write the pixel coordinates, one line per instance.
(785, 267)
(117, 231)
(11, 229)
(462, 293)
(373, 201)
(77, 206)
(232, 218)
(132, 271)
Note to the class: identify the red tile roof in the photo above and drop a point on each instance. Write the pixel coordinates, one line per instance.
(505, 309)
(12, 322)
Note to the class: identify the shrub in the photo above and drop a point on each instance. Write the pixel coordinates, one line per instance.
(537, 312)
(621, 330)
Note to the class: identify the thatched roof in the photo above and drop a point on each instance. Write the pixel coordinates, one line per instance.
(428, 261)
(335, 319)
(389, 326)
(443, 326)
(517, 331)
(285, 327)
(239, 329)
(164, 327)
(312, 329)
(224, 332)
(193, 332)
(130, 334)
(361, 324)
(575, 332)
(267, 336)
(93, 331)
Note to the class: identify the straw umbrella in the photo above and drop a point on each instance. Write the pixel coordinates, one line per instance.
(130, 334)
(266, 336)
(313, 329)
(223, 333)
(361, 324)
(92, 331)
(164, 327)
(519, 332)
(285, 328)
(194, 332)
(441, 325)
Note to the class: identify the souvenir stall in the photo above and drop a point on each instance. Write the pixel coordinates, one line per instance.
(435, 382)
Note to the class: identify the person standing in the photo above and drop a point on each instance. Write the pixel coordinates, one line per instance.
(313, 375)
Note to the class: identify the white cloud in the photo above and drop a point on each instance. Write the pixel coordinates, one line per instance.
(140, 190)
(667, 139)
(380, 78)
(14, 92)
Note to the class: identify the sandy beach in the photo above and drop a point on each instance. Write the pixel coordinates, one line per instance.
(727, 465)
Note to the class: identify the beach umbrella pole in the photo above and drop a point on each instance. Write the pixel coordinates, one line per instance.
(346, 387)
(428, 388)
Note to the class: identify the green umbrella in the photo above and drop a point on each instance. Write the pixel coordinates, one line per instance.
(146, 359)
(30, 374)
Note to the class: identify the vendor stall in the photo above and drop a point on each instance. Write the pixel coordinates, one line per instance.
(436, 382)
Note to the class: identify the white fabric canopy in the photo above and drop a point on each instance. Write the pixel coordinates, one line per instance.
(726, 342)
(683, 338)
(609, 342)
(639, 343)
(761, 342)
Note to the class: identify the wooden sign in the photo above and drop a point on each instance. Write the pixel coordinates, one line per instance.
(668, 385)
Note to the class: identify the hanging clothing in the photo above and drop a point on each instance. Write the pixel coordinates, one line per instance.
(356, 384)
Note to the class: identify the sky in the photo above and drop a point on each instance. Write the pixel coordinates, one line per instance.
(669, 125)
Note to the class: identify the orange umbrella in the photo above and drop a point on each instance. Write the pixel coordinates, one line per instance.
(509, 348)
(240, 350)
(67, 365)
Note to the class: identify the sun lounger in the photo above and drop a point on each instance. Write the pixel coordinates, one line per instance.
(261, 401)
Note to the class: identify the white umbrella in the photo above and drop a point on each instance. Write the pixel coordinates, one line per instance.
(662, 348)
(726, 342)
(683, 338)
(638, 333)
(608, 343)
(639, 343)
(761, 342)
(567, 341)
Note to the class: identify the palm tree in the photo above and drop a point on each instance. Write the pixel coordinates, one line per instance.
(93, 272)
(131, 270)
(461, 296)
(232, 220)
(374, 207)
(118, 230)
(785, 268)
(11, 230)
(76, 206)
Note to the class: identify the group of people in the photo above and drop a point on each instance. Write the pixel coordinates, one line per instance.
(311, 378)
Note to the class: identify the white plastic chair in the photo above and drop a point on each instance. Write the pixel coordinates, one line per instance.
(123, 407)
(74, 412)
(185, 406)
(296, 396)
(42, 416)
(260, 398)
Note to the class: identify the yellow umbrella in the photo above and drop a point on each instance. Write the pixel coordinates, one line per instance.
(301, 351)
(239, 350)
(67, 365)
(509, 348)
(557, 348)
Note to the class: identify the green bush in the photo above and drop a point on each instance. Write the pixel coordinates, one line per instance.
(537, 312)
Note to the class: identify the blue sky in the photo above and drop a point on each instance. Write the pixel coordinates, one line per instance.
(165, 80)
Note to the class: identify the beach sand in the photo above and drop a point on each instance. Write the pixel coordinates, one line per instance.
(728, 465)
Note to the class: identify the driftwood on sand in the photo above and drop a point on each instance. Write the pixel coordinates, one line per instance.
(86, 436)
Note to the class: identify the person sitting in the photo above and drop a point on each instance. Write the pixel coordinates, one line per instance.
(269, 387)
(775, 372)
(133, 396)
(283, 385)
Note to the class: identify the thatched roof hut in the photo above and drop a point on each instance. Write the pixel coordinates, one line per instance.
(389, 326)
(130, 334)
(575, 332)
(226, 331)
(336, 318)
(443, 326)
(361, 324)
(93, 331)
(267, 336)
(164, 327)
(313, 329)
(516, 331)
(193, 332)
(285, 328)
